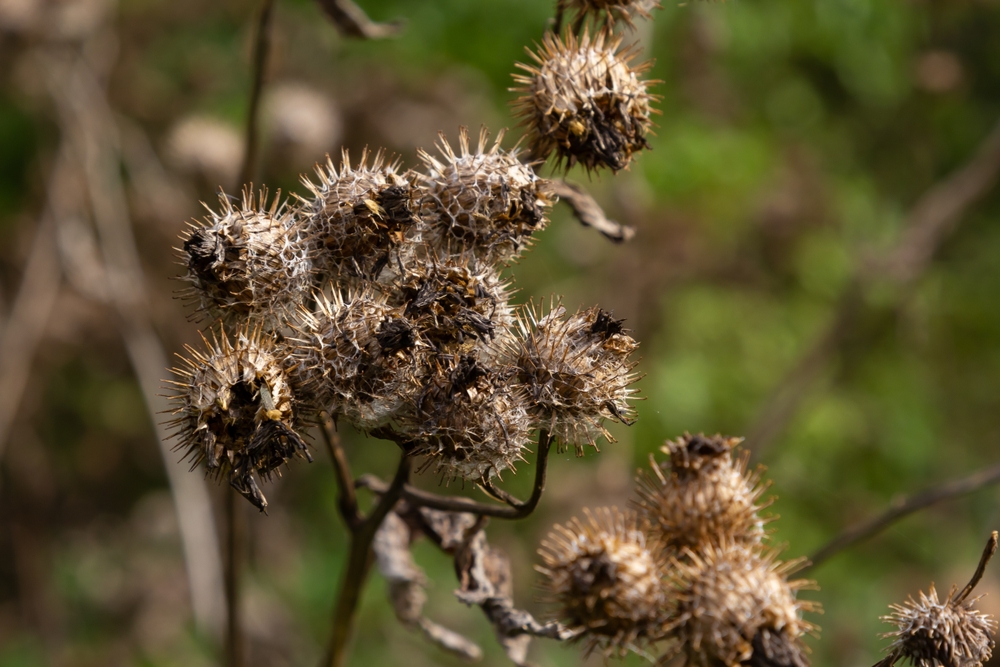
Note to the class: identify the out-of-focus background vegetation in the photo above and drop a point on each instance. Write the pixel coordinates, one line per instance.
(796, 137)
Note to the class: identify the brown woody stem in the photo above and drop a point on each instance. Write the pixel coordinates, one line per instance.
(234, 566)
(988, 551)
(261, 49)
(348, 500)
(358, 566)
(515, 510)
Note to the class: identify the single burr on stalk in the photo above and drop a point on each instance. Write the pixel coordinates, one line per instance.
(949, 633)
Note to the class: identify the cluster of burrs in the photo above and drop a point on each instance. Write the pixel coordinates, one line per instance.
(379, 299)
(688, 567)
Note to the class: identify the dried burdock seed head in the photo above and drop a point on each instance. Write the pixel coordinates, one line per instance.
(702, 495)
(235, 410)
(249, 261)
(359, 215)
(357, 357)
(486, 200)
(454, 302)
(606, 581)
(585, 102)
(577, 372)
(608, 11)
(736, 606)
(468, 420)
(948, 633)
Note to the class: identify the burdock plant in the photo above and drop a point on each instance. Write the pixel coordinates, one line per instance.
(377, 299)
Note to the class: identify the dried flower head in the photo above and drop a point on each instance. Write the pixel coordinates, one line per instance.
(236, 411)
(608, 11)
(357, 357)
(607, 583)
(485, 200)
(577, 372)
(702, 495)
(468, 421)
(736, 606)
(454, 301)
(359, 215)
(584, 101)
(249, 261)
(948, 633)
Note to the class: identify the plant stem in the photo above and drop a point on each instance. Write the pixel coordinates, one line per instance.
(234, 563)
(262, 47)
(358, 566)
(348, 500)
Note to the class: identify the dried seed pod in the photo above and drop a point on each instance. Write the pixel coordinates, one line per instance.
(585, 102)
(236, 411)
(702, 495)
(735, 606)
(577, 372)
(951, 633)
(608, 11)
(486, 200)
(606, 581)
(455, 302)
(357, 357)
(249, 261)
(360, 215)
(468, 421)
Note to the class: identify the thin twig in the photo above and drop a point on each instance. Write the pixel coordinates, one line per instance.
(516, 510)
(348, 500)
(358, 566)
(903, 507)
(261, 50)
(931, 220)
(234, 566)
(353, 22)
(988, 551)
(589, 212)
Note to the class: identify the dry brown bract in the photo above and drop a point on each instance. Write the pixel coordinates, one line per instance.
(584, 102)
(702, 495)
(605, 580)
(247, 261)
(235, 411)
(608, 11)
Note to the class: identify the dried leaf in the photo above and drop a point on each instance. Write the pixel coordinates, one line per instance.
(589, 212)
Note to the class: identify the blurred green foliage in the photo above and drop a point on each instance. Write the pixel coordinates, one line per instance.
(795, 136)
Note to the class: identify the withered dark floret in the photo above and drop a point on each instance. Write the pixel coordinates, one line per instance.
(584, 102)
(736, 606)
(358, 357)
(468, 420)
(605, 580)
(606, 12)
(943, 633)
(235, 410)
(702, 495)
(361, 216)
(249, 261)
(577, 372)
(454, 301)
(487, 200)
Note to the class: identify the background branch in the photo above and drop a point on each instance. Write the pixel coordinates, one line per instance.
(903, 507)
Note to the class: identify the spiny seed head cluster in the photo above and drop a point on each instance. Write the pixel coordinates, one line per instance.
(702, 495)
(247, 261)
(584, 101)
(235, 410)
(577, 371)
(605, 579)
(486, 200)
(716, 594)
(935, 633)
(380, 298)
